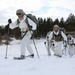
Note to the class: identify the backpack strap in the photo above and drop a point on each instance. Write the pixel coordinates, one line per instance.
(18, 22)
(24, 34)
(26, 20)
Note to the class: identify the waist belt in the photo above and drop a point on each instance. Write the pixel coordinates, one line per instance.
(23, 33)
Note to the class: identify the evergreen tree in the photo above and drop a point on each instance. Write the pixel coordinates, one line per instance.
(70, 23)
(62, 23)
(56, 21)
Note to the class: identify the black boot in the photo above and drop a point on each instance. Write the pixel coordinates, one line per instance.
(32, 55)
(57, 55)
(20, 58)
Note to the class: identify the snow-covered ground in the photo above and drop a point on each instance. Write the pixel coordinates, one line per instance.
(44, 65)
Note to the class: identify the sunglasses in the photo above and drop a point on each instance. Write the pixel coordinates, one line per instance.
(55, 28)
(18, 14)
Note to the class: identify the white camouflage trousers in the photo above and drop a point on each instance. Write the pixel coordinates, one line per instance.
(25, 43)
(71, 50)
(57, 48)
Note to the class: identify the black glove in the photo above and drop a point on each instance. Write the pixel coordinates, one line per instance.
(9, 21)
(44, 42)
(30, 27)
(47, 37)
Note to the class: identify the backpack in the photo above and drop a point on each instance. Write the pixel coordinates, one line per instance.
(32, 17)
(63, 30)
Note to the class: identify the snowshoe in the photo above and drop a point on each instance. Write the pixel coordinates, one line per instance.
(57, 55)
(20, 58)
(32, 56)
(23, 57)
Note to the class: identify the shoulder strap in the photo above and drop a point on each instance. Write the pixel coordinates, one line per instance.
(26, 20)
(18, 21)
(28, 23)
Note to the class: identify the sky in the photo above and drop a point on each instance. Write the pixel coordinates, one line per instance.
(39, 8)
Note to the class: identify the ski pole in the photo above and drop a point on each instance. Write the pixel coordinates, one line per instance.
(48, 51)
(33, 39)
(35, 46)
(65, 46)
(45, 44)
(48, 46)
(7, 45)
(65, 51)
(9, 21)
(6, 52)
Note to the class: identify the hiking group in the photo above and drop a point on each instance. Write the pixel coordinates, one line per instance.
(55, 39)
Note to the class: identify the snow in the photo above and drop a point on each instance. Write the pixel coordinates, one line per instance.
(45, 65)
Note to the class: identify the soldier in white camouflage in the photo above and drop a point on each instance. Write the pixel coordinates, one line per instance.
(58, 37)
(71, 45)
